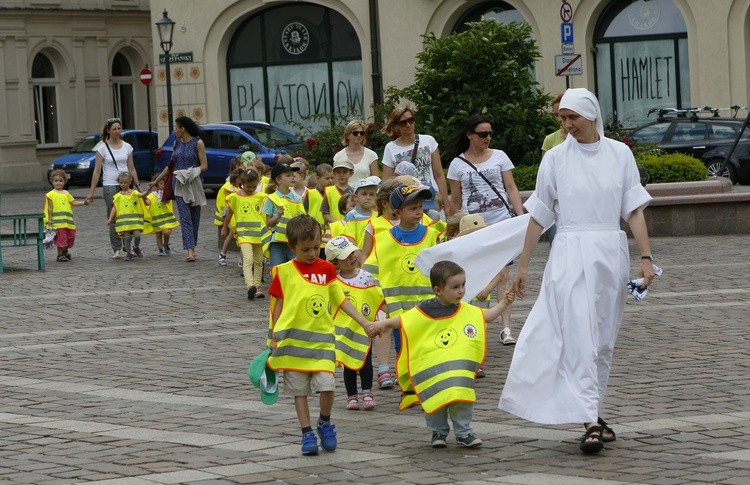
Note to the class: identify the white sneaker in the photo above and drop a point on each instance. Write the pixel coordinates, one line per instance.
(117, 255)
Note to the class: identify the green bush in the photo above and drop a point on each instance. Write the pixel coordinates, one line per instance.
(525, 176)
(486, 69)
(673, 167)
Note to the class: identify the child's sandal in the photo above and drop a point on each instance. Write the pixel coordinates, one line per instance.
(352, 403)
(61, 258)
(369, 401)
(384, 379)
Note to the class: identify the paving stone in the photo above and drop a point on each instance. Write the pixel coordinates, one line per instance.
(137, 373)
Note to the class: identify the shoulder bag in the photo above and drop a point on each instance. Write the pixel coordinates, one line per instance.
(168, 193)
(132, 181)
(512, 214)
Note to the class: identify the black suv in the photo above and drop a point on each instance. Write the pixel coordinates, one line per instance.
(706, 138)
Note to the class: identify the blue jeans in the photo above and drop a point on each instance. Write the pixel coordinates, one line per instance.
(279, 253)
(461, 414)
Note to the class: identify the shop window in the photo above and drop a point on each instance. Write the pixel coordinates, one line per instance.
(641, 60)
(295, 65)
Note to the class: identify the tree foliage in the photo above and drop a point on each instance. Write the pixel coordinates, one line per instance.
(488, 70)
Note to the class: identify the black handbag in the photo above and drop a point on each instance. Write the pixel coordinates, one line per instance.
(512, 214)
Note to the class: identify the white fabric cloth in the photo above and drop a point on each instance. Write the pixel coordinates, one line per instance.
(482, 254)
(394, 154)
(189, 186)
(562, 360)
(109, 167)
(361, 168)
(583, 102)
(476, 196)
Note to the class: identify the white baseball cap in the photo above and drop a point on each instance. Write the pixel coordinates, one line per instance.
(371, 181)
(340, 247)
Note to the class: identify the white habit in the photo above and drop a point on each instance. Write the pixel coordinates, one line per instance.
(562, 360)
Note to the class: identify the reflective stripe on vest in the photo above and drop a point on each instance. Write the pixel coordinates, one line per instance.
(443, 355)
(62, 217)
(304, 332)
(249, 229)
(403, 284)
(352, 343)
(291, 209)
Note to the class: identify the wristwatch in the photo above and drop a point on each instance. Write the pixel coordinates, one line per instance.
(651, 258)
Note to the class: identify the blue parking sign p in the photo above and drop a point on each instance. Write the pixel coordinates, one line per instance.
(566, 32)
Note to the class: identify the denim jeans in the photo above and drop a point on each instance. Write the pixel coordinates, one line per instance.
(279, 253)
(461, 414)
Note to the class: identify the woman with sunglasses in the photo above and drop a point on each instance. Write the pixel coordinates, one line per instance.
(401, 125)
(481, 181)
(113, 155)
(365, 161)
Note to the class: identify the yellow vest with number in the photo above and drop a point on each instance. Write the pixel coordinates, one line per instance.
(392, 265)
(291, 209)
(304, 333)
(352, 343)
(62, 211)
(441, 356)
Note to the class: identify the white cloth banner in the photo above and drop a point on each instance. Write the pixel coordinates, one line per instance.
(482, 254)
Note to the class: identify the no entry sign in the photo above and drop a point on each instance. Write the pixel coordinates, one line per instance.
(146, 76)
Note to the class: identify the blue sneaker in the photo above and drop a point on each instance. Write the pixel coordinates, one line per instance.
(310, 443)
(327, 433)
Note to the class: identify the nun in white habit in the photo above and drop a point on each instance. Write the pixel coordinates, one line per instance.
(562, 360)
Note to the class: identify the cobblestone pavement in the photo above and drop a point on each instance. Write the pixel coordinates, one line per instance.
(135, 373)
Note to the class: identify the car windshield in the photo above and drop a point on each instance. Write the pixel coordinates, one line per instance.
(270, 137)
(86, 144)
(650, 134)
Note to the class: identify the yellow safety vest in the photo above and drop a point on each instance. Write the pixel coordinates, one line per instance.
(333, 196)
(442, 356)
(304, 333)
(403, 284)
(250, 224)
(221, 203)
(314, 201)
(291, 209)
(355, 229)
(162, 213)
(352, 342)
(128, 212)
(337, 228)
(62, 211)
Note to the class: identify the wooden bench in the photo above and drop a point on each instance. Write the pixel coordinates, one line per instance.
(22, 230)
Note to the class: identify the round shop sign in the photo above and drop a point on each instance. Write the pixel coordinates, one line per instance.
(295, 38)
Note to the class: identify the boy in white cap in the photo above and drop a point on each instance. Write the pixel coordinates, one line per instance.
(364, 205)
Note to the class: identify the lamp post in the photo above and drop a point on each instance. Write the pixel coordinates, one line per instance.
(166, 29)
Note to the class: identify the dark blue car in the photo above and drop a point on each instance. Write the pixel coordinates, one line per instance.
(224, 141)
(79, 162)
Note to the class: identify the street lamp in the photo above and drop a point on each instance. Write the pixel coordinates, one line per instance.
(166, 29)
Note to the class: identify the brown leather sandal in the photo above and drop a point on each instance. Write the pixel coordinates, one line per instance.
(591, 441)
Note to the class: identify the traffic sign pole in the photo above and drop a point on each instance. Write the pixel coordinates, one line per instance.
(146, 78)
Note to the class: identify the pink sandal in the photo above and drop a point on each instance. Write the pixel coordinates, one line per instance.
(369, 401)
(352, 403)
(385, 381)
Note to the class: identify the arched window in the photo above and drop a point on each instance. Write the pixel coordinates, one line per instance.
(498, 11)
(122, 91)
(641, 59)
(292, 62)
(46, 116)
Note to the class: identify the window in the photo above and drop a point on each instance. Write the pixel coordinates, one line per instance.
(122, 91)
(650, 134)
(723, 131)
(293, 64)
(46, 116)
(641, 59)
(498, 11)
(689, 132)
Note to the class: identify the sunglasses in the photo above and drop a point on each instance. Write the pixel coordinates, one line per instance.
(484, 134)
(358, 133)
(111, 121)
(407, 121)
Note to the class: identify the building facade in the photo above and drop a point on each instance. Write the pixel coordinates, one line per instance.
(287, 61)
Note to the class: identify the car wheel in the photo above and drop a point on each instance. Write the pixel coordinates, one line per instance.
(715, 170)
